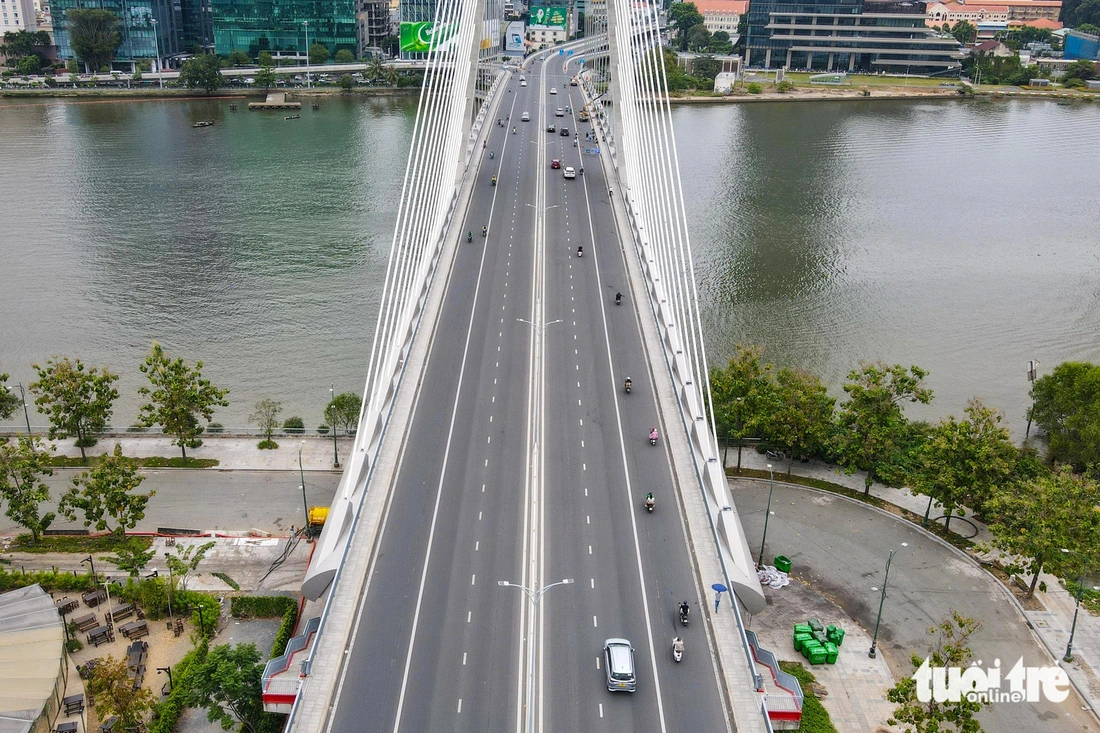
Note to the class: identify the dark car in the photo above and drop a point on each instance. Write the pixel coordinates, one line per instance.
(551, 127)
(555, 164)
(564, 132)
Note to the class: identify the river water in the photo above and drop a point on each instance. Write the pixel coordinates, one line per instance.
(959, 236)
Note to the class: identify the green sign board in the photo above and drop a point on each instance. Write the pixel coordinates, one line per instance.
(423, 37)
(549, 16)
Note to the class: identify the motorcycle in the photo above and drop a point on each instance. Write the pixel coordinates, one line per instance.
(513, 131)
(580, 251)
(683, 615)
(469, 236)
(491, 156)
(678, 649)
(494, 181)
(653, 436)
(627, 385)
(618, 298)
(650, 502)
(582, 170)
(484, 231)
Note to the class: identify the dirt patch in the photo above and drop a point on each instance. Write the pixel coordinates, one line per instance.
(1019, 592)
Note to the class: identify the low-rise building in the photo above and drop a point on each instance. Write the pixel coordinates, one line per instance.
(1080, 45)
(995, 11)
(992, 48)
(722, 15)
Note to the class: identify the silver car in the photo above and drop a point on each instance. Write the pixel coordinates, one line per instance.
(618, 657)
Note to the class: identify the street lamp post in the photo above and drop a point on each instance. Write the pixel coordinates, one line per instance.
(305, 502)
(332, 419)
(1032, 372)
(306, 24)
(534, 596)
(874, 639)
(767, 513)
(1068, 657)
(167, 555)
(156, 44)
(168, 671)
(90, 562)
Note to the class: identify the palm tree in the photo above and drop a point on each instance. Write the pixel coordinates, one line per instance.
(375, 69)
(392, 75)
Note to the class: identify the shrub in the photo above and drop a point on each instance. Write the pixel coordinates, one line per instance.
(215, 428)
(267, 445)
(784, 86)
(73, 645)
(294, 426)
(754, 88)
(269, 607)
(166, 713)
(322, 429)
(137, 429)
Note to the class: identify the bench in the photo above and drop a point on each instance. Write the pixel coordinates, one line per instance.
(69, 727)
(109, 724)
(134, 629)
(93, 598)
(86, 622)
(136, 654)
(121, 611)
(101, 635)
(73, 704)
(66, 605)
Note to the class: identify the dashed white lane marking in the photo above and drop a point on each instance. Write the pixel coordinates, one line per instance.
(588, 519)
(479, 516)
(488, 439)
(469, 615)
(594, 624)
(601, 708)
(473, 579)
(460, 704)
(582, 442)
(477, 545)
(584, 466)
(590, 549)
(483, 488)
(586, 491)
(592, 583)
(463, 659)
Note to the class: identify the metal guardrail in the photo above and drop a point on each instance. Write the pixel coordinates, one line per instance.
(278, 665)
(784, 680)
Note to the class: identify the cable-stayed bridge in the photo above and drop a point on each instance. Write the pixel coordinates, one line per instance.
(489, 533)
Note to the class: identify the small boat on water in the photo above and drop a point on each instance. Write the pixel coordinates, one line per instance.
(292, 117)
(203, 123)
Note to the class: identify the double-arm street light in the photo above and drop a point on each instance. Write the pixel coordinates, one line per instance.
(305, 502)
(1077, 605)
(332, 419)
(534, 595)
(23, 396)
(882, 599)
(305, 23)
(156, 44)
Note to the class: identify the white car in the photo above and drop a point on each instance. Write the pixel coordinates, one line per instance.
(523, 82)
(553, 90)
(569, 172)
(525, 117)
(559, 112)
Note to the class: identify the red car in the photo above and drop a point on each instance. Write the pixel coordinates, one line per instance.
(555, 164)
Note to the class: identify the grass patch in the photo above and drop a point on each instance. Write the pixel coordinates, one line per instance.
(815, 718)
(1090, 598)
(268, 607)
(227, 580)
(150, 462)
(83, 544)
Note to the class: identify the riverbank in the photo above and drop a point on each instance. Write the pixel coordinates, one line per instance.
(235, 94)
(854, 93)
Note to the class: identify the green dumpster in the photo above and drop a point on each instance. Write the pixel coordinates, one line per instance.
(837, 637)
(830, 652)
(815, 624)
(809, 646)
(782, 564)
(818, 655)
(802, 629)
(820, 637)
(799, 640)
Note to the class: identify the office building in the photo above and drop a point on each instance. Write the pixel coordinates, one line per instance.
(865, 36)
(17, 15)
(142, 38)
(253, 26)
(373, 24)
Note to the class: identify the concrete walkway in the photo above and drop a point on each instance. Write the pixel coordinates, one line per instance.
(1051, 625)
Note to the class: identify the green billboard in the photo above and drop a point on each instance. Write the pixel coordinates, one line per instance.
(423, 36)
(549, 16)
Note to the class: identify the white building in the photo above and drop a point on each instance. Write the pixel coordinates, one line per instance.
(17, 15)
(722, 15)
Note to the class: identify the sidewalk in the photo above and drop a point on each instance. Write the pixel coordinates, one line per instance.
(234, 453)
(1051, 626)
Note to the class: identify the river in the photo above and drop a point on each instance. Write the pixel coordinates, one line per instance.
(959, 236)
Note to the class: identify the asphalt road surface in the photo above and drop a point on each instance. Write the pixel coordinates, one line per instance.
(527, 463)
(211, 499)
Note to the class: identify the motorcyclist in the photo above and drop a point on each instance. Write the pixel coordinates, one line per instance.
(653, 434)
(494, 182)
(491, 156)
(469, 236)
(499, 123)
(619, 300)
(684, 609)
(582, 170)
(628, 384)
(513, 130)
(580, 250)
(678, 645)
(484, 230)
(650, 502)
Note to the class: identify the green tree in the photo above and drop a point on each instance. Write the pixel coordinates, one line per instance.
(77, 400)
(18, 44)
(265, 77)
(391, 75)
(698, 38)
(391, 45)
(318, 54)
(131, 558)
(720, 43)
(72, 66)
(1036, 519)
(107, 491)
(683, 17)
(742, 393)
(178, 397)
(951, 649)
(347, 83)
(266, 59)
(343, 411)
(186, 561)
(9, 403)
(29, 65)
(706, 67)
(344, 56)
(227, 684)
(800, 418)
(116, 694)
(202, 72)
(1082, 69)
(964, 32)
(23, 466)
(965, 461)
(94, 35)
(239, 58)
(266, 417)
(1066, 407)
(376, 69)
(872, 425)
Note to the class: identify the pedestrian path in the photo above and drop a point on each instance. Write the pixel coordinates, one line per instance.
(234, 453)
(1051, 626)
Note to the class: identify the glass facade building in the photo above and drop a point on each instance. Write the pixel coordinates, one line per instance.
(864, 36)
(253, 26)
(140, 36)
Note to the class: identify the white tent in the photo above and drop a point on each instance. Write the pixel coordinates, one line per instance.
(32, 660)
